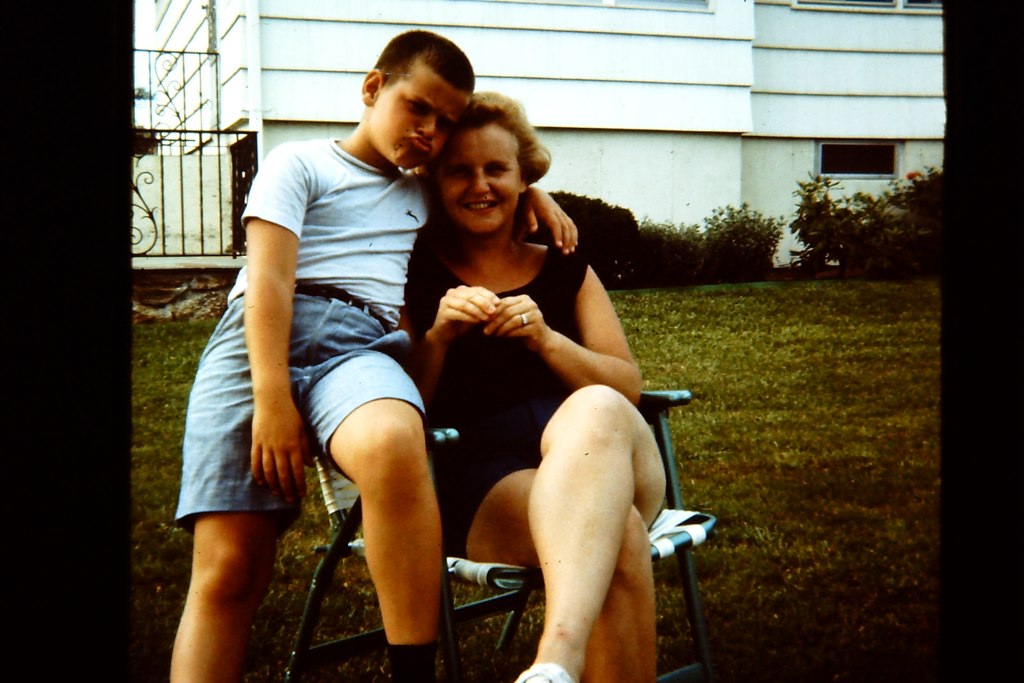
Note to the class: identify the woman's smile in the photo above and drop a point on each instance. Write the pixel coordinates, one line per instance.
(480, 205)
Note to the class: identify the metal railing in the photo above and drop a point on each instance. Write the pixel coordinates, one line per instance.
(188, 191)
(176, 90)
(190, 180)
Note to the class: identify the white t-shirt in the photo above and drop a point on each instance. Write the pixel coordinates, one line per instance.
(356, 225)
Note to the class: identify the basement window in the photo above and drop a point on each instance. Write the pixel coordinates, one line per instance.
(867, 159)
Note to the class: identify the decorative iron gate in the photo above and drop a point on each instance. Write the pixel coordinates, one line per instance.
(190, 180)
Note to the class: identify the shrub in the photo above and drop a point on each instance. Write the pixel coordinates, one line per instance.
(823, 225)
(920, 196)
(883, 243)
(609, 237)
(895, 235)
(739, 245)
(668, 256)
(735, 245)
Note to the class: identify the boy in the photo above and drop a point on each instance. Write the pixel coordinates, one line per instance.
(307, 360)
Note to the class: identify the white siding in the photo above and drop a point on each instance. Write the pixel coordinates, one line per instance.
(786, 23)
(856, 117)
(847, 72)
(181, 27)
(667, 177)
(579, 66)
(669, 112)
(829, 72)
(681, 108)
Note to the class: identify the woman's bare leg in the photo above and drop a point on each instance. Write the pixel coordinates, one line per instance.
(597, 470)
(623, 644)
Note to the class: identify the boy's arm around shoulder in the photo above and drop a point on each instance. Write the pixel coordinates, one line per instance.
(541, 206)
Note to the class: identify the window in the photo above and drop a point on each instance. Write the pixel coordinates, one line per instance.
(658, 4)
(869, 159)
(893, 4)
(648, 4)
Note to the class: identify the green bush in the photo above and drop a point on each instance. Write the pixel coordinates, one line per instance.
(894, 235)
(739, 245)
(668, 256)
(609, 236)
(735, 245)
(920, 197)
(823, 225)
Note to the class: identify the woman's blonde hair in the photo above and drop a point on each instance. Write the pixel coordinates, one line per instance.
(491, 107)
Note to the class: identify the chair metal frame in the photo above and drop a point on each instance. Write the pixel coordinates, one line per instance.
(514, 585)
(345, 524)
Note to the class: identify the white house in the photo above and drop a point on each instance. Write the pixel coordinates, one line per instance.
(670, 108)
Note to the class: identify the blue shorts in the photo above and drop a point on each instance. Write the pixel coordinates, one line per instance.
(486, 453)
(340, 358)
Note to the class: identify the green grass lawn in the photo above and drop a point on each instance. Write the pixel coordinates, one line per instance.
(813, 437)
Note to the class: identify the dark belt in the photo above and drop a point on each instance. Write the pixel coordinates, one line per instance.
(331, 292)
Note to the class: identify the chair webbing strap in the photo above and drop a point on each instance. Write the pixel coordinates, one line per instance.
(339, 493)
(669, 533)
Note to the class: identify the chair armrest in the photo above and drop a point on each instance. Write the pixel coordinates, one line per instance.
(688, 533)
(654, 402)
(439, 437)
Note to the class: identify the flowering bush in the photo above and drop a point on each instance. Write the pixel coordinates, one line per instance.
(896, 234)
(919, 196)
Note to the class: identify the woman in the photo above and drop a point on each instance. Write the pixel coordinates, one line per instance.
(518, 346)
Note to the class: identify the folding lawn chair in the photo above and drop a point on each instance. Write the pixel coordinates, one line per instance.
(675, 533)
(344, 509)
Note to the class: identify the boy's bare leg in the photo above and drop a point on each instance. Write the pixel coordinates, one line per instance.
(232, 562)
(381, 446)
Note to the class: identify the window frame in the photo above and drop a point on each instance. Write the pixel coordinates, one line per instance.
(669, 5)
(893, 5)
(819, 157)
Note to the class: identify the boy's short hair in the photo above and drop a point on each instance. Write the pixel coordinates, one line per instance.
(437, 52)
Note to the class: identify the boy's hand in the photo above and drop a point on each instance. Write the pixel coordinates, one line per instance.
(280, 450)
(541, 206)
